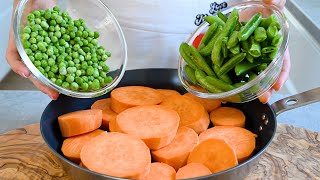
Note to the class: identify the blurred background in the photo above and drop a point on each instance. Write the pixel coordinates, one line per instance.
(304, 44)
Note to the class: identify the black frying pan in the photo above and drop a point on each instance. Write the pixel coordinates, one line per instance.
(260, 119)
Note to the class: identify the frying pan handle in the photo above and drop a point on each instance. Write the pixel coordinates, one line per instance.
(296, 101)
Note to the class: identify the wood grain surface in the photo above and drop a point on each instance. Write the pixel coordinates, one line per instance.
(294, 154)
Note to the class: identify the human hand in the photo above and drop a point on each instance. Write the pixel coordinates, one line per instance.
(284, 74)
(14, 61)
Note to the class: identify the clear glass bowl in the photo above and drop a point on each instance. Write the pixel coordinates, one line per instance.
(98, 18)
(265, 80)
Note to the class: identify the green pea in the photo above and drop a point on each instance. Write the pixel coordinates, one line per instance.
(72, 42)
(71, 70)
(76, 60)
(104, 57)
(47, 40)
(80, 43)
(108, 79)
(95, 84)
(65, 14)
(58, 82)
(66, 37)
(88, 57)
(51, 74)
(61, 49)
(90, 63)
(94, 59)
(50, 34)
(78, 73)
(32, 40)
(45, 56)
(79, 33)
(62, 42)
(34, 34)
(47, 14)
(100, 51)
(94, 42)
(68, 58)
(52, 24)
(77, 39)
(62, 77)
(26, 44)
(85, 34)
(32, 59)
(81, 28)
(90, 78)
(58, 34)
(83, 72)
(85, 42)
(37, 63)
(38, 56)
(86, 49)
(84, 65)
(79, 80)
(37, 13)
(90, 71)
(84, 78)
(27, 29)
(37, 20)
(68, 50)
(95, 73)
(33, 47)
(63, 30)
(59, 19)
(54, 39)
(81, 58)
(71, 63)
(41, 69)
(51, 62)
(62, 70)
(50, 51)
(39, 38)
(25, 36)
(70, 79)
(76, 47)
(108, 54)
(54, 68)
(72, 34)
(105, 68)
(84, 86)
(65, 84)
(30, 17)
(28, 51)
(44, 63)
(74, 86)
(96, 34)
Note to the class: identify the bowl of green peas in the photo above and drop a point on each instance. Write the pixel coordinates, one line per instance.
(235, 55)
(75, 47)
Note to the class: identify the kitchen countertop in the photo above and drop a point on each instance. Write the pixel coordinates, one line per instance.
(15, 114)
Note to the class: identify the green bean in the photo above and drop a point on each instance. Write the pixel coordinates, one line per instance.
(231, 63)
(213, 19)
(222, 16)
(273, 54)
(268, 49)
(245, 45)
(250, 27)
(235, 49)
(233, 40)
(224, 48)
(262, 67)
(206, 51)
(243, 67)
(223, 77)
(219, 83)
(186, 55)
(237, 85)
(255, 49)
(272, 31)
(266, 22)
(228, 28)
(252, 76)
(260, 34)
(208, 35)
(190, 73)
(201, 78)
(277, 40)
(249, 58)
(200, 62)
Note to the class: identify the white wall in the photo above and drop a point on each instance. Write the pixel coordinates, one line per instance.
(5, 19)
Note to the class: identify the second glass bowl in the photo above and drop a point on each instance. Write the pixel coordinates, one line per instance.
(264, 81)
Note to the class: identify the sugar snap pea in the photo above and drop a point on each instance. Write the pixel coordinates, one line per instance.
(273, 54)
(260, 34)
(255, 49)
(201, 78)
(272, 19)
(245, 45)
(206, 51)
(262, 67)
(200, 61)
(235, 49)
(190, 73)
(252, 76)
(231, 63)
(243, 67)
(233, 40)
(272, 31)
(213, 19)
(268, 49)
(224, 48)
(222, 16)
(208, 35)
(223, 77)
(219, 83)
(277, 40)
(186, 55)
(216, 51)
(239, 84)
(249, 58)
(250, 27)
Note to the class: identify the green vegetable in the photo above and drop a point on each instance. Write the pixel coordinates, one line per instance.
(250, 27)
(201, 78)
(231, 63)
(222, 16)
(233, 40)
(190, 73)
(243, 67)
(206, 51)
(219, 83)
(260, 34)
(208, 35)
(214, 19)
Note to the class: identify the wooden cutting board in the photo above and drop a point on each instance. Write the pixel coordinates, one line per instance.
(294, 154)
